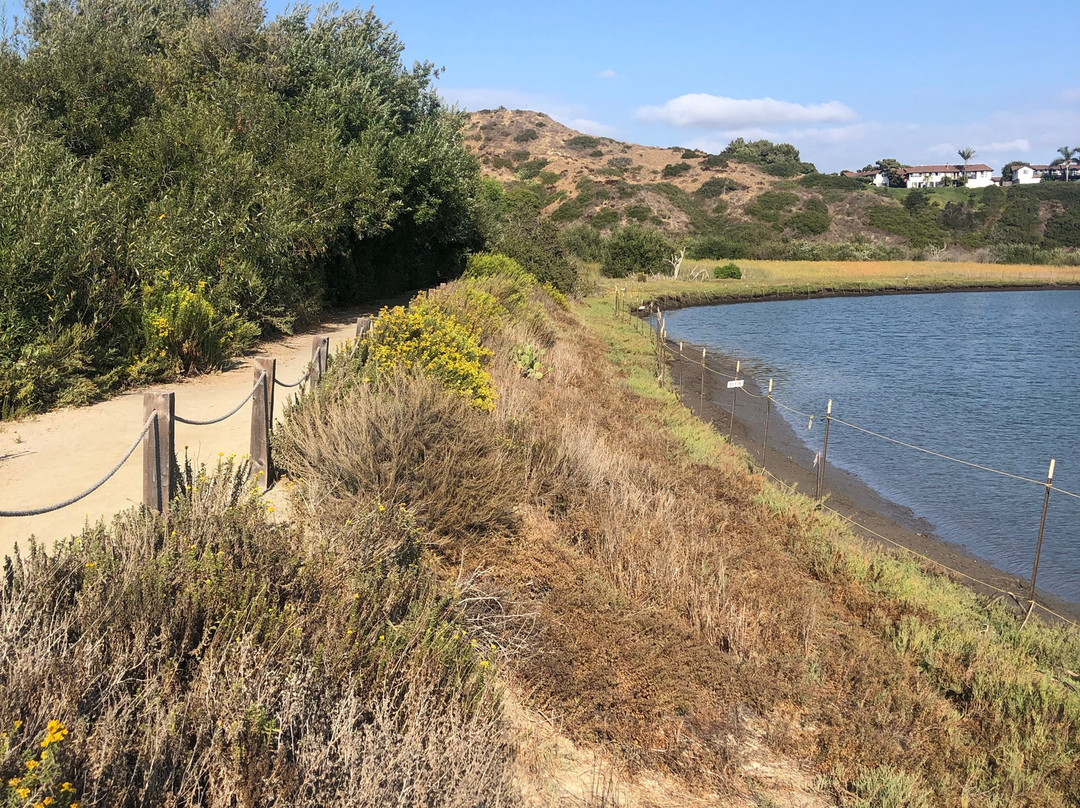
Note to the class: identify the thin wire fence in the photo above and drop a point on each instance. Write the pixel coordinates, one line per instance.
(677, 351)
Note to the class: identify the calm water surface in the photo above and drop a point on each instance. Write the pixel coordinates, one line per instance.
(990, 377)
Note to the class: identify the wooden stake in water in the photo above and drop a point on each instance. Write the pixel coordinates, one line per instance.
(824, 451)
(768, 411)
(1038, 546)
(734, 397)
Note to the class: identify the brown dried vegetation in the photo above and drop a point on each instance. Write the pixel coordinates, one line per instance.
(639, 586)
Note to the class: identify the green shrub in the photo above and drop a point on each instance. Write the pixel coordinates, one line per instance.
(717, 186)
(605, 218)
(184, 332)
(1063, 228)
(485, 265)
(531, 169)
(636, 248)
(812, 220)
(596, 153)
(583, 242)
(714, 161)
(569, 211)
(502, 162)
(675, 169)
(638, 212)
(520, 156)
(548, 177)
(533, 241)
(525, 136)
(836, 182)
(727, 271)
(218, 147)
(583, 142)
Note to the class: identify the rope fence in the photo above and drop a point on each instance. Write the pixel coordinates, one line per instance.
(157, 435)
(666, 349)
(108, 476)
(192, 422)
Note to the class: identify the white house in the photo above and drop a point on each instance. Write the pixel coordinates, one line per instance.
(1025, 175)
(877, 176)
(1056, 172)
(978, 175)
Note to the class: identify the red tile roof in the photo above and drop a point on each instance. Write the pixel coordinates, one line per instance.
(946, 169)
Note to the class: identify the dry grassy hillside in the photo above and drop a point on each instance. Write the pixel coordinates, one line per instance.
(522, 145)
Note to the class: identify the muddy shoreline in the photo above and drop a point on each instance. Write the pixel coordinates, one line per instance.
(788, 459)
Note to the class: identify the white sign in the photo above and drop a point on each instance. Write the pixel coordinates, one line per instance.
(736, 383)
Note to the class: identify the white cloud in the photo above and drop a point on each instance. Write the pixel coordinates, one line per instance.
(1072, 94)
(589, 127)
(607, 74)
(1020, 144)
(716, 112)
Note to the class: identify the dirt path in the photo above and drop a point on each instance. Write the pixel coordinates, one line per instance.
(49, 457)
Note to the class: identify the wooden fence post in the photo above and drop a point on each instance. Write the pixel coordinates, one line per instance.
(701, 403)
(363, 325)
(262, 414)
(1038, 547)
(158, 450)
(768, 412)
(824, 452)
(320, 349)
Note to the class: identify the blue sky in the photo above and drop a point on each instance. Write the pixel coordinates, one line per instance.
(849, 82)
(846, 82)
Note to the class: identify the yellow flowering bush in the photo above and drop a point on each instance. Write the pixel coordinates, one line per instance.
(429, 338)
(184, 331)
(39, 782)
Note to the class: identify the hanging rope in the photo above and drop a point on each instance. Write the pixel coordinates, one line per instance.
(230, 414)
(95, 486)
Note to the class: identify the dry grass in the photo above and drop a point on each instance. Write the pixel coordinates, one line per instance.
(402, 441)
(212, 659)
(633, 579)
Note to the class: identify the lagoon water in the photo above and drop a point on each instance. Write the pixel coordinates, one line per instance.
(988, 377)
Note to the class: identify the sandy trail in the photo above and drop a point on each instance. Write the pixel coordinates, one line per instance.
(50, 457)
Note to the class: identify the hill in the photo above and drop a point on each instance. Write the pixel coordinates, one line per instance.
(758, 200)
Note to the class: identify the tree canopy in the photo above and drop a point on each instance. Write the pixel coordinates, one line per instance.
(180, 158)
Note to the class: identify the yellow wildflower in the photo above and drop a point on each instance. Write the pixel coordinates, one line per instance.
(32, 764)
(65, 787)
(23, 793)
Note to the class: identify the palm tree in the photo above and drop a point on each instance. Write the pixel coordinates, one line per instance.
(966, 154)
(1067, 155)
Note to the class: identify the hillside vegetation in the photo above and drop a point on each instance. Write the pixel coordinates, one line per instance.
(516, 564)
(179, 178)
(760, 200)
